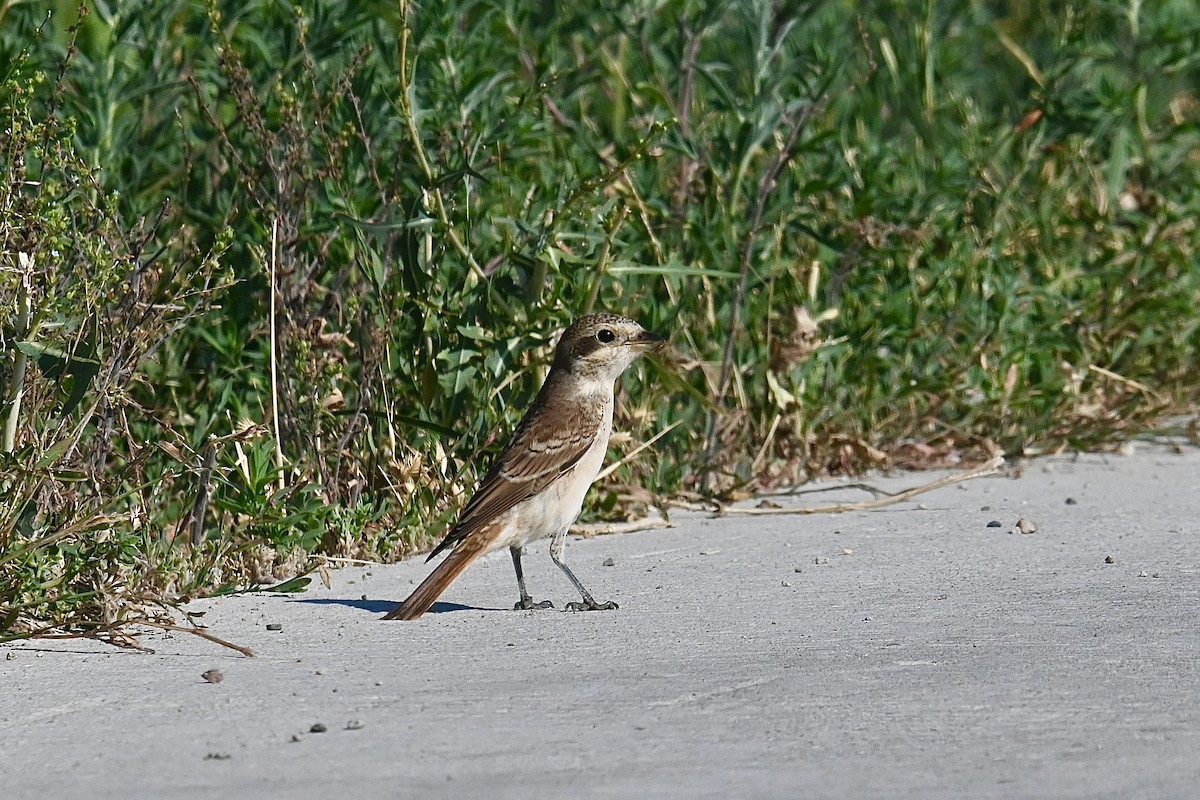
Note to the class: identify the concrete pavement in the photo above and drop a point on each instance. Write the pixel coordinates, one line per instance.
(907, 652)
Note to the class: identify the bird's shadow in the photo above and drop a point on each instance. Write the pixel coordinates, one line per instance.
(384, 606)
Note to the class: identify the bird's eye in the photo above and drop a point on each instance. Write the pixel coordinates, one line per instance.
(605, 336)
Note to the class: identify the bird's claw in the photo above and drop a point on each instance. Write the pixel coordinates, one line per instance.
(527, 604)
(591, 605)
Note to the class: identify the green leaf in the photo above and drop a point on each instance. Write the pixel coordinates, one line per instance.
(293, 586)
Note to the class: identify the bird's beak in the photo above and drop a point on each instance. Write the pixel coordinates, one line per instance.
(647, 341)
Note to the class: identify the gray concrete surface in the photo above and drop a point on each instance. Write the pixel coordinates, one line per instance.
(926, 656)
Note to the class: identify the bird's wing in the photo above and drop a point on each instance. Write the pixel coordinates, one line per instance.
(546, 445)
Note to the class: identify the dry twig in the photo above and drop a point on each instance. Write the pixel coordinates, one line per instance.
(990, 467)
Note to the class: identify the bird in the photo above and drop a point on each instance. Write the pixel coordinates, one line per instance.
(535, 487)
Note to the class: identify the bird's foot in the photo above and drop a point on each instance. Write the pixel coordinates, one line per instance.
(527, 604)
(591, 605)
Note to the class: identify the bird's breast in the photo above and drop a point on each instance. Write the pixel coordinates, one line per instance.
(556, 507)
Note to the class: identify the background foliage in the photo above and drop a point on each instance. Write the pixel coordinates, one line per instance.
(272, 274)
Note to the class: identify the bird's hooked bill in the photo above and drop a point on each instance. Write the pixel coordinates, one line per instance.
(648, 341)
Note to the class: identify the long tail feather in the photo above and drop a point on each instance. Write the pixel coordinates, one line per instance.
(442, 576)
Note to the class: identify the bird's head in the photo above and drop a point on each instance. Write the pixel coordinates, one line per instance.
(603, 345)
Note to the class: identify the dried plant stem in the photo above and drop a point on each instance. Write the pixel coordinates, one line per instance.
(590, 529)
(204, 490)
(20, 360)
(1141, 387)
(794, 125)
(201, 632)
(611, 468)
(274, 356)
(118, 634)
(990, 467)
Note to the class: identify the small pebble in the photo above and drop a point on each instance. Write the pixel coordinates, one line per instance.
(364, 597)
(995, 524)
(1071, 501)
(608, 562)
(297, 737)
(317, 728)
(846, 551)
(786, 584)
(319, 672)
(1025, 526)
(1109, 560)
(10, 656)
(213, 676)
(217, 757)
(985, 508)
(274, 626)
(799, 570)
(354, 725)
(1143, 574)
(820, 560)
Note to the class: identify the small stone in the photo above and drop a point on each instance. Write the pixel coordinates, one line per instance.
(317, 728)
(217, 757)
(354, 725)
(1025, 526)
(1071, 501)
(985, 508)
(274, 626)
(846, 551)
(10, 656)
(319, 672)
(297, 737)
(798, 569)
(608, 562)
(1109, 560)
(820, 560)
(995, 524)
(213, 676)
(1143, 574)
(364, 597)
(768, 504)
(786, 584)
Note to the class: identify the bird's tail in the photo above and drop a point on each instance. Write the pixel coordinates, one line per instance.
(442, 576)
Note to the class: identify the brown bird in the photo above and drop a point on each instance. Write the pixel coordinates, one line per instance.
(535, 489)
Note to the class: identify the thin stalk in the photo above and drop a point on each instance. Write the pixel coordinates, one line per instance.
(274, 359)
(21, 360)
(766, 184)
(614, 225)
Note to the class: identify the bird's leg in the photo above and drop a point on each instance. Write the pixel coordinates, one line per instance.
(589, 603)
(526, 602)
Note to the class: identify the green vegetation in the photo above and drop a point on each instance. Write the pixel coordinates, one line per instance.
(271, 275)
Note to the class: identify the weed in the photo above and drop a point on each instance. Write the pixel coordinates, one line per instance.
(877, 238)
